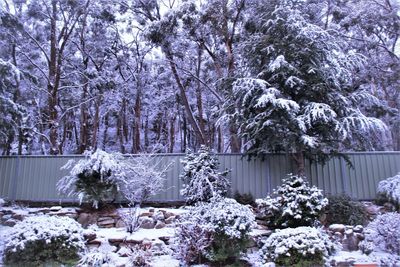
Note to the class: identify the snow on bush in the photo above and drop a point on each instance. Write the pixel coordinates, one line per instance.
(43, 238)
(139, 178)
(383, 234)
(389, 189)
(295, 204)
(201, 179)
(222, 225)
(301, 246)
(91, 179)
(2, 202)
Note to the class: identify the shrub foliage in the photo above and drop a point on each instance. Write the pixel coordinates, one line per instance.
(343, 210)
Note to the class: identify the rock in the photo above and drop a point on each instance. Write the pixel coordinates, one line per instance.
(168, 214)
(338, 235)
(55, 208)
(372, 210)
(349, 232)
(94, 242)
(18, 216)
(146, 214)
(159, 225)
(359, 236)
(337, 228)
(146, 223)
(158, 216)
(358, 229)
(261, 222)
(120, 224)
(151, 210)
(86, 219)
(133, 240)
(170, 219)
(10, 222)
(89, 236)
(350, 242)
(105, 222)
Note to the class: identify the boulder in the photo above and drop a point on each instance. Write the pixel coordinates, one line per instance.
(10, 222)
(158, 216)
(170, 220)
(337, 228)
(146, 223)
(159, 225)
(86, 219)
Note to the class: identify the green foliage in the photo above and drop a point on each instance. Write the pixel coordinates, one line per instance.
(244, 199)
(343, 210)
(225, 250)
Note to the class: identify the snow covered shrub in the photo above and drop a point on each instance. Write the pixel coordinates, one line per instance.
(343, 210)
(389, 190)
(192, 241)
(200, 176)
(92, 179)
(44, 238)
(295, 204)
(227, 222)
(104, 255)
(2, 202)
(140, 177)
(383, 234)
(301, 246)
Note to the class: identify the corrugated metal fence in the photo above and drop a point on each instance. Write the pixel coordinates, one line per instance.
(34, 178)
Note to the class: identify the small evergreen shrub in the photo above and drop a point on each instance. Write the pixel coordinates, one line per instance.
(222, 226)
(301, 246)
(343, 210)
(389, 190)
(295, 204)
(201, 178)
(244, 199)
(92, 179)
(44, 238)
(383, 234)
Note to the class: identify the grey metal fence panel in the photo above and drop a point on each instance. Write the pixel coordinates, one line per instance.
(34, 178)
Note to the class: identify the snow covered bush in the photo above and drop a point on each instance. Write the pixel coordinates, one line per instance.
(389, 190)
(44, 238)
(383, 234)
(93, 178)
(343, 210)
(201, 178)
(301, 246)
(2, 202)
(104, 255)
(139, 178)
(295, 204)
(222, 225)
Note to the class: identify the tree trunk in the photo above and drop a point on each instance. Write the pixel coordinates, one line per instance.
(189, 113)
(136, 123)
(299, 161)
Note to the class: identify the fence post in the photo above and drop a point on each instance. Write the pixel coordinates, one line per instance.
(14, 181)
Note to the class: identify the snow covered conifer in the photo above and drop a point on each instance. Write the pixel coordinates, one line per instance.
(389, 189)
(300, 96)
(201, 178)
(295, 204)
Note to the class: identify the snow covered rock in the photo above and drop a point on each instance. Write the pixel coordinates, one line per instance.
(44, 238)
(301, 246)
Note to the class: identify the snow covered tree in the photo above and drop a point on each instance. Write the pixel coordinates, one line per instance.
(300, 97)
(201, 178)
(12, 112)
(92, 179)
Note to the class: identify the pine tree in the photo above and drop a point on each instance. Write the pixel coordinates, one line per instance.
(300, 97)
